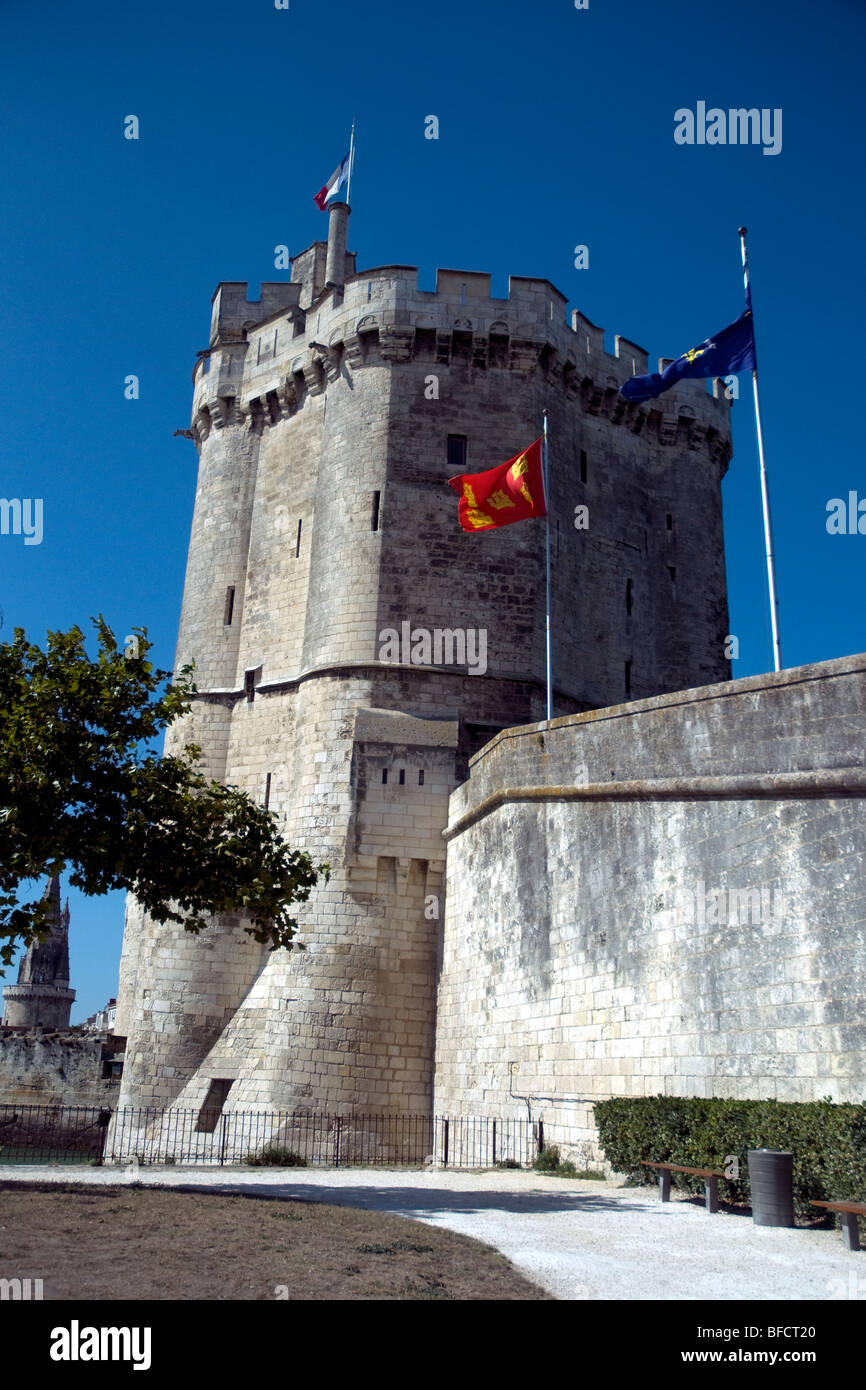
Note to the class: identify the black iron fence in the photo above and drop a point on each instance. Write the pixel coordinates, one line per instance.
(66, 1134)
(52, 1133)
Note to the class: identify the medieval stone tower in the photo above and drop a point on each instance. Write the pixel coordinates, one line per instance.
(328, 415)
(42, 997)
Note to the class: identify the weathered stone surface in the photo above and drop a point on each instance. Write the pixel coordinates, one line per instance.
(44, 1067)
(665, 896)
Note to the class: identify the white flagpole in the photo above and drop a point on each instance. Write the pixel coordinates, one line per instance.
(765, 495)
(545, 460)
(351, 161)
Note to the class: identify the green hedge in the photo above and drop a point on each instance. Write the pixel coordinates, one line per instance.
(828, 1142)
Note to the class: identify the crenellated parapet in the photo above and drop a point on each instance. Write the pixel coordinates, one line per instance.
(268, 356)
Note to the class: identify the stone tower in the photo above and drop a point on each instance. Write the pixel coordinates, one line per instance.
(42, 997)
(328, 415)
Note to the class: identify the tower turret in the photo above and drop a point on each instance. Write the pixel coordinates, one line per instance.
(42, 997)
(328, 423)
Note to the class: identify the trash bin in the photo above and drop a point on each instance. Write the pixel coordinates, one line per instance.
(771, 1178)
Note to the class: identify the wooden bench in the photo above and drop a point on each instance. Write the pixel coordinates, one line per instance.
(848, 1213)
(710, 1175)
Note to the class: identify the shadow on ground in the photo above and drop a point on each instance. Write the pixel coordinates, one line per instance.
(421, 1201)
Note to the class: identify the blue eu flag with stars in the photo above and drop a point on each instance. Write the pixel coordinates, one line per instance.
(728, 352)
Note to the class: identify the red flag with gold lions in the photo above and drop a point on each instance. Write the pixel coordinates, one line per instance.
(513, 491)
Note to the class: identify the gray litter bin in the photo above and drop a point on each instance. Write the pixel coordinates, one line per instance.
(771, 1178)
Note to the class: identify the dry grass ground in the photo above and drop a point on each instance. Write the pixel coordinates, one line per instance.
(138, 1243)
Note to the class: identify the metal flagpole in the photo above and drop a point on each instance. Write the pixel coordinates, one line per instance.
(351, 161)
(765, 495)
(545, 468)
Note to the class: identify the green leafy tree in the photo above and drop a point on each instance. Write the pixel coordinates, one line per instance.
(80, 789)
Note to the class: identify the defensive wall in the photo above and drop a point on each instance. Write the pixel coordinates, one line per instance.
(64, 1067)
(666, 896)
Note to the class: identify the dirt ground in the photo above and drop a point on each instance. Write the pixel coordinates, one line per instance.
(136, 1243)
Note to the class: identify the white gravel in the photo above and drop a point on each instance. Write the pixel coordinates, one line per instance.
(578, 1240)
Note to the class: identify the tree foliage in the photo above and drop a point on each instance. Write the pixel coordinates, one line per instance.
(81, 789)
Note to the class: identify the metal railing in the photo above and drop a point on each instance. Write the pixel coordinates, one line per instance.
(66, 1134)
(52, 1133)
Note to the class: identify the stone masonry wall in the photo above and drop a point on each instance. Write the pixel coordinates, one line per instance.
(53, 1069)
(665, 896)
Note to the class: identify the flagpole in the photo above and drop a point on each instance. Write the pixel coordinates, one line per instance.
(351, 161)
(545, 458)
(765, 495)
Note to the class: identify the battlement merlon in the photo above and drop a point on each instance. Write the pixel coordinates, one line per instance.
(232, 313)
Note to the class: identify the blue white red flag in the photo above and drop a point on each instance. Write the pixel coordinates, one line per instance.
(334, 184)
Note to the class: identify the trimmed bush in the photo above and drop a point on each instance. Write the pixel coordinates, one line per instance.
(828, 1142)
(548, 1161)
(275, 1156)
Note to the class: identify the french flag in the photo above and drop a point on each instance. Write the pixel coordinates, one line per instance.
(335, 182)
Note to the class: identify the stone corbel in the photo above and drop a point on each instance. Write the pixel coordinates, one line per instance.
(443, 347)
(395, 343)
(617, 406)
(669, 428)
(354, 349)
(330, 359)
(287, 396)
(593, 395)
(570, 381)
(524, 354)
(223, 411)
(697, 435)
(480, 348)
(635, 418)
(314, 374)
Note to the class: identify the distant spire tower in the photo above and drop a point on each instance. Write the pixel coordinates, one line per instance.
(42, 997)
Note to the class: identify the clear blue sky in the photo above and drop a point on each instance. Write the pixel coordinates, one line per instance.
(556, 128)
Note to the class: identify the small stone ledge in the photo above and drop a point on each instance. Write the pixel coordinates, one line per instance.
(774, 786)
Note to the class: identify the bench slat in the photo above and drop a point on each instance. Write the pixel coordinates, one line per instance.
(859, 1208)
(678, 1168)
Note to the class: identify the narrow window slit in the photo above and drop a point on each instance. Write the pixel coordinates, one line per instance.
(212, 1108)
(457, 452)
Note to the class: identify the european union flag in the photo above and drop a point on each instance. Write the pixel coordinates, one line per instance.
(731, 351)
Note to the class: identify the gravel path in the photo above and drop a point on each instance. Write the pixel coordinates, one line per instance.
(579, 1240)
